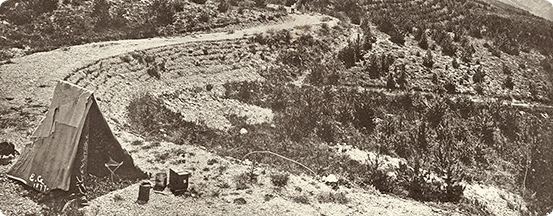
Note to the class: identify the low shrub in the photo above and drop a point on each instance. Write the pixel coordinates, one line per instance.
(423, 42)
(199, 1)
(245, 180)
(479, 75)
(428, 60)
(378, 66)
(509, 84)
(448, 47)
(280, 179)
(302, 199)
(352, 53)
(333, 197)
(455, 63)
(223, 6)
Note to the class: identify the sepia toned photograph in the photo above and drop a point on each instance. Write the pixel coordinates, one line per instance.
(276, 107)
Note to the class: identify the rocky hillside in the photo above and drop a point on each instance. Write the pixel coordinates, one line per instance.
(442, 105)
(541, 8)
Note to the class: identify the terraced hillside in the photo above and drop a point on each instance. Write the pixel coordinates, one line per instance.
(182, 69)
(437, 103)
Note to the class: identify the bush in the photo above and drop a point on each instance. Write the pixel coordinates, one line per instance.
(338, 198)
(302, 199)
(28, 11)
(199, 1)
(223, 6)
(280, 179)
(455, 63)
(450, 87)
(390, 83)
(352, 53)
(509, 84)
(244, 180)
(261, 3)
(448, 47)
(397, 37)
(100, 11)
(507, 70)
(547, 64)
(349, 55)
(378, 66)
(423, 42)
(368, 39)
(326, 73)
(479, 76)
(163, 11)
(148, 115)
(428, 60)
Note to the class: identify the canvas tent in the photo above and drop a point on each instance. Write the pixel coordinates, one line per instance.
(72, 141)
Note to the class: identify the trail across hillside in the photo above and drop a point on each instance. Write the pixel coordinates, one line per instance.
(34, 76)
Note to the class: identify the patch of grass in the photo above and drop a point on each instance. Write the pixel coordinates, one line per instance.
(136, 142)
(245, 180)
(334, 197)
(118, 197)
(302, 199)
(161, 157)
(152, 145)
(280, 179)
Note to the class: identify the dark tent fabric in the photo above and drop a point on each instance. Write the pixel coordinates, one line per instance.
(72, 141)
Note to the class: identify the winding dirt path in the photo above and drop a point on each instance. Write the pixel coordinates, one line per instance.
(33, 76)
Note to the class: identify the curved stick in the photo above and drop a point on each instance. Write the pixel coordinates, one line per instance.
(268, 152)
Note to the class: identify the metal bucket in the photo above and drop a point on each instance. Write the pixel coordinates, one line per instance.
(160, 181)
(144, 191)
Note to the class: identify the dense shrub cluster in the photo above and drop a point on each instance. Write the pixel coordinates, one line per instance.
(397, 35)
(351, 54)
(356, 48)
